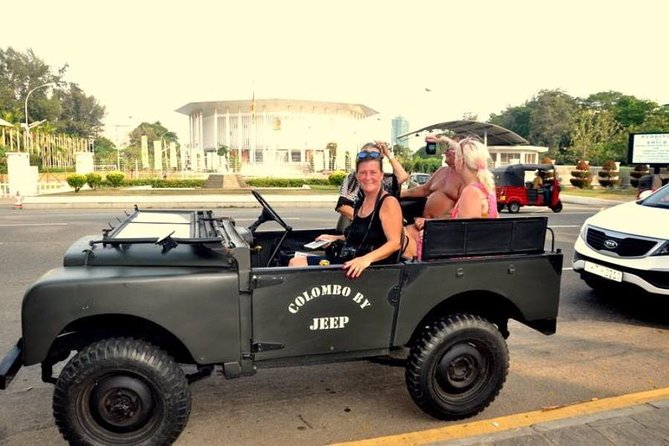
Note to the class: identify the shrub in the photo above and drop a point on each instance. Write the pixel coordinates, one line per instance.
(638, 171)
(93, 180)
(115, 178)
(581, 177)
(608, 176)
(76, 181)
(609, 165)
(337, 177)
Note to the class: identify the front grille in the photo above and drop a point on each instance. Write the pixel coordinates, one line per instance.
(625, 246)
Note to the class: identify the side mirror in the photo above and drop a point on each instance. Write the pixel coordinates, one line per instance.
(431, 148)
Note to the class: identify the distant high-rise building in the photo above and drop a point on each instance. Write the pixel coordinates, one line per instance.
(399, 126)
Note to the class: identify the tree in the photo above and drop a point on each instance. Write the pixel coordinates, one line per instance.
(591, 132)
(551, 114)
(69, 109)
(80, 115)
(104, 150)
(516, 119)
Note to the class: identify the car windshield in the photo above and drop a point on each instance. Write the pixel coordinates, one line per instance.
(659, 199)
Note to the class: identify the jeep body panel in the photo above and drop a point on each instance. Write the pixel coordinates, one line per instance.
(200, 306)
(319, 311)
(512, 281)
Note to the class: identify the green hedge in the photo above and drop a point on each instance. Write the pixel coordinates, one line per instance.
(287, 182)
(159, 183)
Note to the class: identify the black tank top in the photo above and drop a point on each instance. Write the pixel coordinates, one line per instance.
(366, 233)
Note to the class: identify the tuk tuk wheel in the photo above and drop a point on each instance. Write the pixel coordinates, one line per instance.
(557, 207)
(513, 207)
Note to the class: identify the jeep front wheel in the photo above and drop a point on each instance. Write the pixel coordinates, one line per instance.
(457, 367)
(121, 392)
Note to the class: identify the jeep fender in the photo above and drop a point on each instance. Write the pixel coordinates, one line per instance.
(199, 306)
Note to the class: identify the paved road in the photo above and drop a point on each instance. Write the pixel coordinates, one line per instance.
(603, 348)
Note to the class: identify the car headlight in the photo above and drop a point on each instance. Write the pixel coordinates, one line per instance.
(663, 251)
(583, 232)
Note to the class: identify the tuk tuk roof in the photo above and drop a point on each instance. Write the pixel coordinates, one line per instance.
(514, 174)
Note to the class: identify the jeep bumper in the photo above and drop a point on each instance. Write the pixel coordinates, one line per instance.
(10, 365)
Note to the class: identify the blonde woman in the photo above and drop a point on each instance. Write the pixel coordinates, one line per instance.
(477, 199)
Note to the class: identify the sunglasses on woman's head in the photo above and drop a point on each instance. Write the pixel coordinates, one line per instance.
(365, 154)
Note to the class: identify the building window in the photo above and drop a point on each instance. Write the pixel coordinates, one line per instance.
(258, 156)
(295, 156)
(510, 158)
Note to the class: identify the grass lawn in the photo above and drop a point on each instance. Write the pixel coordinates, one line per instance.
(628, 193)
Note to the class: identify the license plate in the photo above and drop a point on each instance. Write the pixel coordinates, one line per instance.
(603, 271)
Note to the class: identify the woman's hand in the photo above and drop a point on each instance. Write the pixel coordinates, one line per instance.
(385, 150)
(419, 223)
(329, 238)
(356, 266)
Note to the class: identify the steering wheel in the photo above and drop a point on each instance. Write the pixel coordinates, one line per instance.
(268, 214)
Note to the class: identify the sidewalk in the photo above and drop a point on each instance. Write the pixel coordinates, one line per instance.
(191, 199)
(635, 419)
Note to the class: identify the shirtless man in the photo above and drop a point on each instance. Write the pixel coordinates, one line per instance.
(442, 189)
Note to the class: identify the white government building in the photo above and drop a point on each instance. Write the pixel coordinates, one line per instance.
(277, 136)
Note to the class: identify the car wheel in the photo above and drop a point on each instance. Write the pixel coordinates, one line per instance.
(557, 207)
(121, 392)
(513, 207)
(457, 367)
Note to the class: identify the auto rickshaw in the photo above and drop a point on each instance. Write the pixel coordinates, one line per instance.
(515, 187)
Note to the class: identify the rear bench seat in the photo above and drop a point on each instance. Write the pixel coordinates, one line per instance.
(443, 239)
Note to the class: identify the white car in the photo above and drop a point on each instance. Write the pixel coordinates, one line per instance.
(627, 244)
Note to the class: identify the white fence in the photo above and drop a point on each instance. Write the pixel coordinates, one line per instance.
(42, 188)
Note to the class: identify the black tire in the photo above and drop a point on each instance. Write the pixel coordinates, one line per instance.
(121, 392)
(557, 207)
(500, 207)
(513, 207)
(457, 367)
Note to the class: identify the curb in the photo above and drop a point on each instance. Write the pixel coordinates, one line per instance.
(194, 201)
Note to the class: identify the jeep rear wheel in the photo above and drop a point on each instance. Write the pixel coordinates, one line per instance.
(457, 367)
(121, 392)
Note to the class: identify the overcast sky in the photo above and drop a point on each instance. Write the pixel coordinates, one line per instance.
(144, 59)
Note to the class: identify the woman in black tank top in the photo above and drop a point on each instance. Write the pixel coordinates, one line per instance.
(376, 231)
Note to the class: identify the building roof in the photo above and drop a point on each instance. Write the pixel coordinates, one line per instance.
(271, 105)
(494, 135)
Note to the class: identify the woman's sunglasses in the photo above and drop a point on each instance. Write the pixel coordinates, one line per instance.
(369, 154)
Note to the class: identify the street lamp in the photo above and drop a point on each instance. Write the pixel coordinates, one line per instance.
(25, 105)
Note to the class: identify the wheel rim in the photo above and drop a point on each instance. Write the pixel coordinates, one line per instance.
(460, 371)
(121, 403)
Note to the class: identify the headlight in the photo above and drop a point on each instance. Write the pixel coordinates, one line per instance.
(583, 232)
(663, 251)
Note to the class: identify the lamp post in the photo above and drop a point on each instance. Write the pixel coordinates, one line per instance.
(25, 105)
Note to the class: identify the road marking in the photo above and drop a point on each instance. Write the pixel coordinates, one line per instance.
(6, 225)
(567, 268)
(501, 424)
